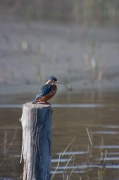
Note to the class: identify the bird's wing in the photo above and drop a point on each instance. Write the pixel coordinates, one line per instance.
(44, 91)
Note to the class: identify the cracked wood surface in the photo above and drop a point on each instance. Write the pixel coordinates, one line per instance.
(36, 123)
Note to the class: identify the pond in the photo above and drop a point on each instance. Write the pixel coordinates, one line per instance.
(85, 141)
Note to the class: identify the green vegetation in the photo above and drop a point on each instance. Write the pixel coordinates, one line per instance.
(87, 11)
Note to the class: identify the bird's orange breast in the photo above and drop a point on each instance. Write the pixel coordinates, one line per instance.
(49, 95)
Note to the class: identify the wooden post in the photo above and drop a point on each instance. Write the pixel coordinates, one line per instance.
(36, 123)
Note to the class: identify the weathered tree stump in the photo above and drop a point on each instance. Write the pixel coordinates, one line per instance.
(36, 123)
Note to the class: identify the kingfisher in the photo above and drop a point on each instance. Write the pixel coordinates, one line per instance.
(47, 91)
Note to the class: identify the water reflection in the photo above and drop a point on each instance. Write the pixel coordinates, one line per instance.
(106, 132)
(99, 115)
(111, 159)
(57, 105)
(74, 152)
(84, 166)
(61, 160)
(108, 146)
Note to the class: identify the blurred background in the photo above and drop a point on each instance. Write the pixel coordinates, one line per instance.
(77, 42)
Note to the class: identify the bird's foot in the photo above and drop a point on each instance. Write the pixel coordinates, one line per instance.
(47, 103)
(43, 103)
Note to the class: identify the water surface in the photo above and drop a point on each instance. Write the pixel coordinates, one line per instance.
(74, 116)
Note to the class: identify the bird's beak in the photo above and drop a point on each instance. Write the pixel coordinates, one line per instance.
(58, 82)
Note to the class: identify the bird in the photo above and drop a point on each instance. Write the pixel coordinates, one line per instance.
(47, 91)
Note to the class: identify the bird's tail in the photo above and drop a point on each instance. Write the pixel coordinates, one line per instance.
(34, 102)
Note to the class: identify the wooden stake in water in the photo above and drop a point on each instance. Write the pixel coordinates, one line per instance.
(36, 123)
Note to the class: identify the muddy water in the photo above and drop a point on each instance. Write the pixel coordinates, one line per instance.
(85, 126)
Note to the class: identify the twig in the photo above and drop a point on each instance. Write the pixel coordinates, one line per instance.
(71, 173)
(13, 138)
(4, 142)
(61, 155)
(67, 147)
(68, 161)
(89, 136)
(2, 163)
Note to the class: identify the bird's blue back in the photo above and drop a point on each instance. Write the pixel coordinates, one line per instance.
(47, 88)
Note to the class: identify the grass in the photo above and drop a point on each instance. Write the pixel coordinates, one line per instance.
(38, 72)
(29, 15)
(88, 11)
(55, 51)
(99, 168)
(42, 49)
(68, 84)
(93, 64)
(61, 156)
